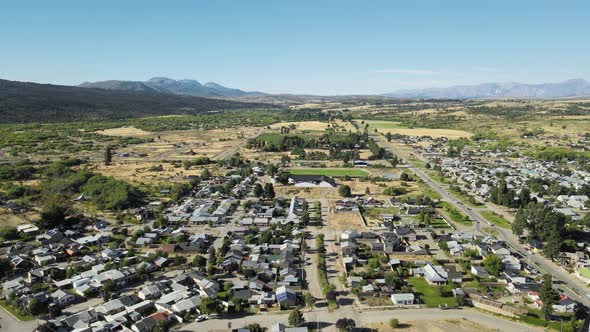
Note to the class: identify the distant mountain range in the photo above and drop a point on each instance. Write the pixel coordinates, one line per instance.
(177, 87)
(24, 102)
(568, 89)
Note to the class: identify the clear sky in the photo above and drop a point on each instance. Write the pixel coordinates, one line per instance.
(319, 46)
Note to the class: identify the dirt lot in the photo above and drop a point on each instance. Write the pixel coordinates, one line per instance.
(455, 325)
(345, 220)
(307, 193)
(185, 144)
(124, 132)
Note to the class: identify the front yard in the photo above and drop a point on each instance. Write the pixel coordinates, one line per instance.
(430, 294)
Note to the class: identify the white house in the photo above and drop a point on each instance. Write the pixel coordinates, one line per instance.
(62, 298)
(403, 299)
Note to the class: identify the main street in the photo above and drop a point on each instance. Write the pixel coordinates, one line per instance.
(572, 286)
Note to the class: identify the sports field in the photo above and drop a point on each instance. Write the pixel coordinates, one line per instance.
(335, 172)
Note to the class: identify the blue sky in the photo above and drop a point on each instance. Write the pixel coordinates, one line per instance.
(320, 47)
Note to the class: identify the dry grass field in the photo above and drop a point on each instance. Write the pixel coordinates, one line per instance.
(124, 132)
(302, 126)
(140, 172)
(9, 219)
(448, 133)
(183, 144)
(345, 220)
(307, 193)
(396, 128)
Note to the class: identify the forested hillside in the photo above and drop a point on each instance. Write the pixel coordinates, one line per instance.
(22, 102)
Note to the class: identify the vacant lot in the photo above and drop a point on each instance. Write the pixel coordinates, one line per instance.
(9, 219)
(124, 132)
(345, 220)
(147, 172)
(396, 128)
(336, 172)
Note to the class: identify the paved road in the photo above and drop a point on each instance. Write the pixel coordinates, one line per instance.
(9, 323)
(326, 319)
(572, 286)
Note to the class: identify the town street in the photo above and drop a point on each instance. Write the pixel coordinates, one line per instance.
(326, 319)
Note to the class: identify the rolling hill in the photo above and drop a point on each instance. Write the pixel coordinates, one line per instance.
(24, 102)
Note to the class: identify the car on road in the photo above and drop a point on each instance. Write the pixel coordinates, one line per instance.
(201, 318)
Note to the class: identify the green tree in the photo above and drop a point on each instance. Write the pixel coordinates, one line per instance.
(394, 323)
(258, 191)
(254, 327)
(205, 175)
(296, 318)
(305, 217)
(345, 191)
(309, 299)
(405, 177)
(108, 155)
(392, 279)
(179, 190)
(109, 286)
(5, 267)
(162, 326)
(519, 223)
(547, 294)
(212, 255)
(8, 233)
(269, 191)
(53, 213)
(209, 306)
(493, 263)
(36, 307)
(551, 247)
(345, 324)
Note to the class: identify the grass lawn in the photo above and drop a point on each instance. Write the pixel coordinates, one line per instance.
(13, 311)
(584, 272)
(496, 219)
(335, 172)
(438, 223)
(490, 230)
(429, 293)
(434, 195)
(455, 214)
